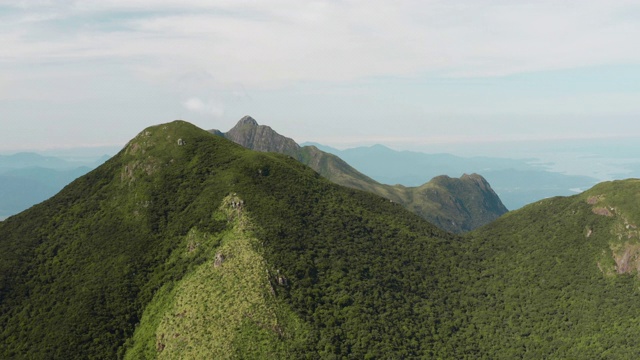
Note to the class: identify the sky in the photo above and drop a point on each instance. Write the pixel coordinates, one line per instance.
(432, 74)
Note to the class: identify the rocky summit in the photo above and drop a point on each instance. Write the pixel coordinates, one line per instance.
(456, 205)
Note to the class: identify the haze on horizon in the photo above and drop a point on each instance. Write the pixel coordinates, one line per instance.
(405, 74)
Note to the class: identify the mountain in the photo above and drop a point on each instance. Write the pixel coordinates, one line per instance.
(559, 278)
(29, 178)
(466, 203)
(249, 134)
(18, 194)
(186, 245)
(453, 204)
(518, 182)
(21, 188)
(29, 159)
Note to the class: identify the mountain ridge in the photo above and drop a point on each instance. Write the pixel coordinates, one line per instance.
(113, 265)
(449, 209)
(517, 181)
(186, 244)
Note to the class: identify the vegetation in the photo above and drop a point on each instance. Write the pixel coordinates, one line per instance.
(518, 182)
(456, 205)
(225, 308)
(550, 282)
(186, 245)
(101, 269)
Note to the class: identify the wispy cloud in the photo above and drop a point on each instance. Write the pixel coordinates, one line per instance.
(361, 67)
(275, 43)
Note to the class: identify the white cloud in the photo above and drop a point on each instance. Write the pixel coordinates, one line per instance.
(196, 105)
(336, 63)
(274, 43)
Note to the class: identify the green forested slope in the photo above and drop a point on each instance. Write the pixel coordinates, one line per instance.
(552, 280)
(185, 245)
(108, 265)
(226, 307)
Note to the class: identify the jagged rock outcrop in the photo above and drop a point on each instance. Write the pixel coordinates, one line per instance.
(456, 205)
(249, 134)
(218, 260)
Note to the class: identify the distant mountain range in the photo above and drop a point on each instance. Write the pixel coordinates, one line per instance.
(454, 204)
(517, 181)
(29, 178)
(187, 245)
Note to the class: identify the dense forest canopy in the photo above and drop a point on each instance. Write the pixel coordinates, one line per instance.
(185, 237)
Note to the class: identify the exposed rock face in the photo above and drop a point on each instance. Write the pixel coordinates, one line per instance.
(281, 279)
(456, 205)
(219, 259)
(627, 258)
(249, 134)
(625, 241)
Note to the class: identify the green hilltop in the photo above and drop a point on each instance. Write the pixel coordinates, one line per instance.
(453, 204)
(123, 261)
(559, 278)
(186, 245)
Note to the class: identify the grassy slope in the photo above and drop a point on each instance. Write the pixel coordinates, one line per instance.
(455, 205)
(220, 310)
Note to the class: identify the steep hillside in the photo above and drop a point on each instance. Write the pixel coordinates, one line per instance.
(185, 245)
(559, 279)
(249, 134)
(468, 201)
(262, 138)
(456, 205)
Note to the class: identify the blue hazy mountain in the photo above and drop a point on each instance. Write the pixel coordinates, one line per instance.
(516, 181)
(28, 178)
(29, 159)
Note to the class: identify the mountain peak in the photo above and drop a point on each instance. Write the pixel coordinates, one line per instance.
(477, 203)
(473, 204)
(247, 120)
(249, 134)
(477, 178)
